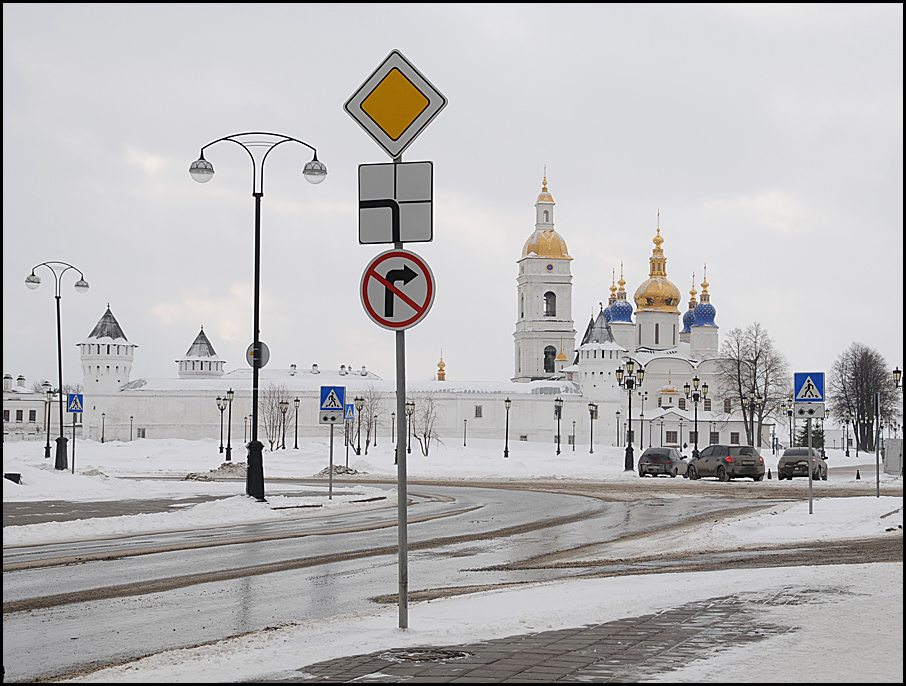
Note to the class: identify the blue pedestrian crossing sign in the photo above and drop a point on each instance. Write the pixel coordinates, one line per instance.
(350, 411)
(75, 402)
(333, 404)
(808, 387)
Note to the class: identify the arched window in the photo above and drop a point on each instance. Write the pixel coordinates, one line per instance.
(657, 333)
(521, 306)
(550, 305)
(545, 216)
(727, 405)
(550, 352)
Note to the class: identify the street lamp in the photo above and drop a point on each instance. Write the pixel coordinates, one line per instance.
(284, 406)
(897, 375)
(102, 426)
(393, 427)
(245, 428)
(629, 381)
(574, 435)
(81, 286)
(221, 405)
(131, 417)
(618, 428)
(558, 407)
(48, 393)
(410, 408)
(296, 405)
(359, 404)
(592, 411)
(642, 430)
(847, 416)
(506, 440)
(374, 424)
(464, 425)
(696, 395)
(753, 403)
(787, 407)
(203, 171)
(661, 422)
(229, 400)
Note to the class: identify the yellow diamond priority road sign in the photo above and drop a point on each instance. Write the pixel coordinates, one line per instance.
(395, 104)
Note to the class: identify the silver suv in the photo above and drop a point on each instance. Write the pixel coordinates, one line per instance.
(727, 462)
(794, 462)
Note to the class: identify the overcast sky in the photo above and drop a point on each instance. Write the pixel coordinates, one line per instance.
(770, 138)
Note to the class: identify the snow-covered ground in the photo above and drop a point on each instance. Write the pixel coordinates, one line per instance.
(861, 631)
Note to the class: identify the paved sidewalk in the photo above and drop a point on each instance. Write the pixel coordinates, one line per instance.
(626, 650)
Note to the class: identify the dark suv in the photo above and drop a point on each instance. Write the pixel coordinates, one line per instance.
(727, 462)
(794, 462)
(667, 461)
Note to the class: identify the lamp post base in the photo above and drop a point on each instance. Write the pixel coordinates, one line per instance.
(229, 453)
(628, 465)
(61, 461)
(254, 477)
(47, 450)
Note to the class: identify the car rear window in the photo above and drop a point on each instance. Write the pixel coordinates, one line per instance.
(656, 454)
(743, 450)
(797, 452)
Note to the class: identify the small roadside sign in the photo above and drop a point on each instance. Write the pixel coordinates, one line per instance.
(333, 402)
(808, 395)
(350, 411)
(263, 355)
(397, 289)
(395, 202)
(76, 403)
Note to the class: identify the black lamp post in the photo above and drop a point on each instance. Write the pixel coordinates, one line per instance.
(592, 411)
(203, 171)
(359, 404)
(393, 427)
(229, 449)
(753, 403)
(558, 407)
(618, 428)
(574, 435)
(696, 394)
(629, 381)
(846, 419)
(506, 440)
(131, 417)
(787, 407)
(221, 405)
(642, 429)
(661, 422)
(284, 406)
(464, 424)
(296, 405)
(897, 375)
(245, 429)
(374, 428)
(103, 416)
(81, 286)
(48, 393)
(410, 408)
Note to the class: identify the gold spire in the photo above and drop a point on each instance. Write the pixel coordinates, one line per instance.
(692, 293)
(441, 374)
(613, 289)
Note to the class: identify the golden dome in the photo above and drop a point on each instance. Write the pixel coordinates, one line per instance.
(546, 243)
(544, 196)
(658, 293)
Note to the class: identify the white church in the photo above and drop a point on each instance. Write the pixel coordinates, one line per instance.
(671, 348)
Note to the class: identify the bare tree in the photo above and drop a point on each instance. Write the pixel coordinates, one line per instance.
(857, 377)
(424, 420)
(371, 413)
(749, 361)
(269, 412)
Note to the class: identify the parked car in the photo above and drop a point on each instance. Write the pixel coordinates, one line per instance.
(727, 462)
(667, 461)
(794, 462)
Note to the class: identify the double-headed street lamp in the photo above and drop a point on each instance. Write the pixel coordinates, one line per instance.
(558, 408)
(592, 412)
(359, 404)
(221, 405)
(695, 394)
(410, 408)
(284, 406)
(81, 286)
(506, 440)
(630, 382)
(48, 393)
(229, 401)
(753, 403)
(787, 407)
(296, 405)
(203, 171)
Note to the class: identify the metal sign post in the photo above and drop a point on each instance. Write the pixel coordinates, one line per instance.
(76, 406)
(808, 399)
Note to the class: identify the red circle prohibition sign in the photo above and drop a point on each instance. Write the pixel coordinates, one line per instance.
(397, 289)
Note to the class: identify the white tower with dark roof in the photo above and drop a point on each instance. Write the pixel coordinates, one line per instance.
(106, 356)
(200, 361)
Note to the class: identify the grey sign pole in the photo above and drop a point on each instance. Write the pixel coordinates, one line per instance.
(808, 430)
(330, 480)
(401, 486)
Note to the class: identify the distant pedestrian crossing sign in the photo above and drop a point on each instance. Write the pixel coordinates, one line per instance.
(808, 395)
(333, 404)
(75, 402)
(350, 411)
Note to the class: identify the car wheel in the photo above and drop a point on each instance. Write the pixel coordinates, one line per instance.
(824, 476)
(722, 474)
(674, 473)
(692, 473)
(641, 474)
(758, 478)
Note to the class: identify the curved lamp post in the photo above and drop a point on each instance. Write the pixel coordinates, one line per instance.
(506, 441)
(229, 448)
(592, 411)
(48, 393)
(359, 404)
(696, 395)
(410, 408)
(558, 408)
(629, 381)
(81, 286)
(284, 406)
(221, 405)
(203, 171)
(296, 405)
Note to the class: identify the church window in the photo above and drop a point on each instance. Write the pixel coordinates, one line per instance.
(674, 334)
(671, 437)
(521, 306)
(478, 410)
(549, 354)
(545, 216)
(5, 415)
(727, 406)
(682, 403)
(660, 401)
(32, 415)
(707, 404)
(550, 304)
(18, 415)
(715, 437)
(657, 333)
(108, 349)
(734, 437)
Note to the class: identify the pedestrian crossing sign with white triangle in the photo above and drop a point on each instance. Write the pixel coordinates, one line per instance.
(333, 398)
(75, 402)
(808, 387)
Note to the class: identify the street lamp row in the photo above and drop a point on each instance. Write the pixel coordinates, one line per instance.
(629, 382)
